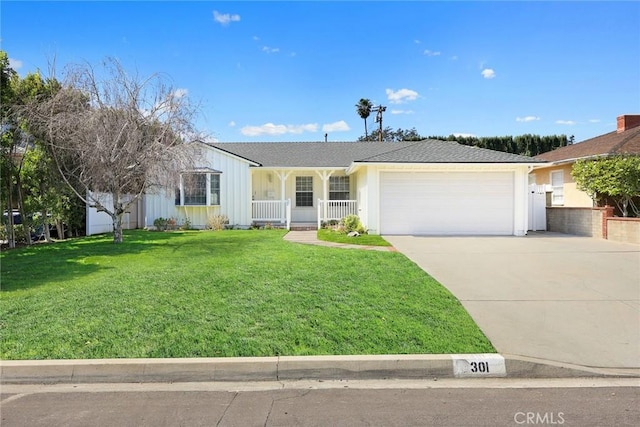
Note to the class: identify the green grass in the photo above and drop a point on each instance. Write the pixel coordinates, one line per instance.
(230, 293)
(363, 239)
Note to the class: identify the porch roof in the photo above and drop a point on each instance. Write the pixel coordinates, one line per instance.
(344, 154)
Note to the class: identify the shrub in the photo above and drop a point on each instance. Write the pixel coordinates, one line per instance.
(217, 222)
(352, 223)
(161, 224)
(186, 225)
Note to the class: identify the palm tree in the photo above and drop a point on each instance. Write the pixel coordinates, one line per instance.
(363, 107)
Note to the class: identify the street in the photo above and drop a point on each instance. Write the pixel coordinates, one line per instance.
(453, 402)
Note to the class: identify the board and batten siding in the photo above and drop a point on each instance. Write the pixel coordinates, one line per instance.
(235, 194)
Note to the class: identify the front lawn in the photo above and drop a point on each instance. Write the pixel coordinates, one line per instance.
(229, 293)
(363, 239)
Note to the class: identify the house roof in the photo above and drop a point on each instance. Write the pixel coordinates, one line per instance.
(625, 142)
(343, 154)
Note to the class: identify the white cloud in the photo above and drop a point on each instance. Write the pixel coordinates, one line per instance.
(225, 18)
(464, 135)
(416, 41)
(256, 38)
(14, 63)
(272, 129)
(268, 49)
(401, 111)
(431, 53)
(401, 95)
(340, 126)
(527, 119)
(454, 58)
(565, 122)
(232, 123)
(594, 121)
(488, 73)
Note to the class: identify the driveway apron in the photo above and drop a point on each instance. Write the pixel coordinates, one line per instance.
(550, 296)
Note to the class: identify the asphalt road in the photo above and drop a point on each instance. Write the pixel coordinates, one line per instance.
(494, 402)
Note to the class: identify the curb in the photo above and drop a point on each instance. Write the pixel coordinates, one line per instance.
(294, 368)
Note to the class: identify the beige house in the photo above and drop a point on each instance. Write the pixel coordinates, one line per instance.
(557, 173)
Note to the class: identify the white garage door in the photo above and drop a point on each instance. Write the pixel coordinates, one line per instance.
(455, 203)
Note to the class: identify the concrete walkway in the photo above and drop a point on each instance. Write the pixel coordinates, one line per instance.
(311, 238)
(548, 296)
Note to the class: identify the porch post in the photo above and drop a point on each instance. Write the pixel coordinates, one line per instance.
(283, 175)
(324, 176)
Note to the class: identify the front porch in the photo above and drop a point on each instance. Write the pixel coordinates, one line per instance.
(279, 212)
(301, 198)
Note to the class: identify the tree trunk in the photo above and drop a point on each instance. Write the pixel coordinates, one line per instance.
(60, 229)
(117, 228)
(26, 226)
(11, 234)
(45, 226)
(366, 134)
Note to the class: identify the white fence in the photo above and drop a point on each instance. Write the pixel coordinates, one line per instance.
(335, 209)
(100, 222)
(538, 207)
(271, 210)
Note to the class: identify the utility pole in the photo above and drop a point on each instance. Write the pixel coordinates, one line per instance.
(379, 110)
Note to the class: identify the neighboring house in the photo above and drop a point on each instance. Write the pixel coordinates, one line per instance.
(557, 174)
(423, 187)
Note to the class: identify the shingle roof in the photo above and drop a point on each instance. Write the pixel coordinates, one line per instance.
(343, 154)
(627, 142)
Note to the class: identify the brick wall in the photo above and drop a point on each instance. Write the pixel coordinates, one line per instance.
(593, 222)
(625, 230)
(577, 221)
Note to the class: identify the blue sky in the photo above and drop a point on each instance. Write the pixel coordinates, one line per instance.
(293, 71)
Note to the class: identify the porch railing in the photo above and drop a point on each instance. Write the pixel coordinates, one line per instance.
(271, 211)
(335, 209)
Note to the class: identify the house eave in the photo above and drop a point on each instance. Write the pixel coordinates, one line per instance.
(302, 168)
(573, 160)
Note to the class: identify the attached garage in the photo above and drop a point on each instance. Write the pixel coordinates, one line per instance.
(447, 203)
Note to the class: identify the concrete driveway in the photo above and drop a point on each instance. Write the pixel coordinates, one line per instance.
(550, 296)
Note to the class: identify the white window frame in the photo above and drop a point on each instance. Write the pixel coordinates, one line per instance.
(304, 190)
(557, 186)
(212, 194)
(214, 183)
(339, 185)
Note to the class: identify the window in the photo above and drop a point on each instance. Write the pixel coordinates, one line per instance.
(339, 188)
(557, 186)
(194, 186)
(198, 189)
(215, 189)
(304, 191)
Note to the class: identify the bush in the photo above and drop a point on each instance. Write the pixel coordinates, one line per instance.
(161, 224)
(186, 225)
(352, 223)
(217, 222)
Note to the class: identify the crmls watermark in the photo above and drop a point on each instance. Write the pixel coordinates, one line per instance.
(539, 418)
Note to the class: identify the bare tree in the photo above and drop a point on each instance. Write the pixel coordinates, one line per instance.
(114, 137)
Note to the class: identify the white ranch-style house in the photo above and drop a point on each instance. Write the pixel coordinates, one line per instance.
(424, 187)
